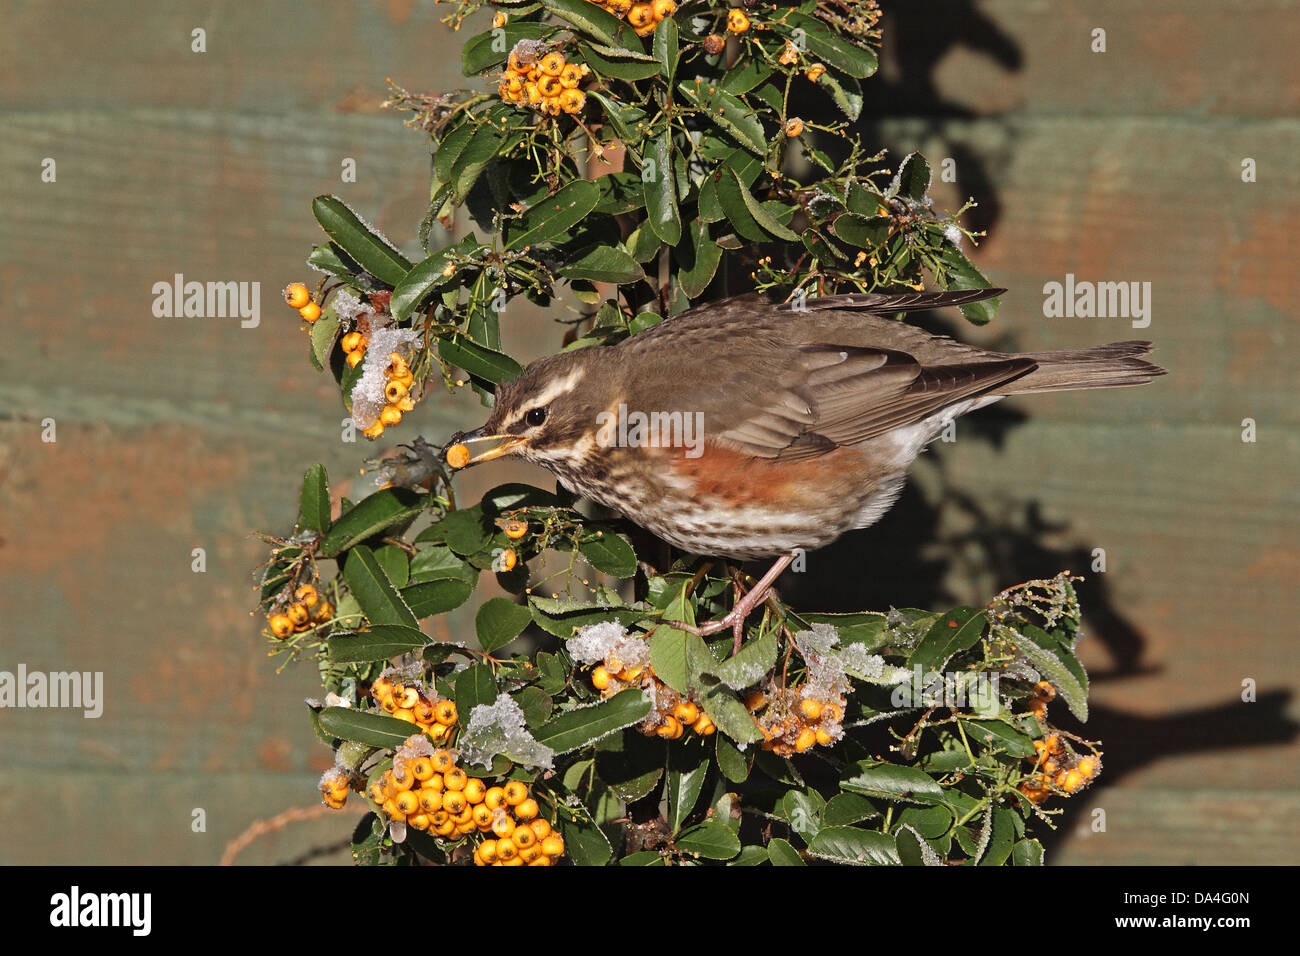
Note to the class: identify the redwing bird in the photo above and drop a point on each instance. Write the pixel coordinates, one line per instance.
(808, 417)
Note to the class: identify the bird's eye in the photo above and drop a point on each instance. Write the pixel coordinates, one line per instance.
(535, 416)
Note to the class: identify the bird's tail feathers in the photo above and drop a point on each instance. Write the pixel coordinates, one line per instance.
(1101, 366)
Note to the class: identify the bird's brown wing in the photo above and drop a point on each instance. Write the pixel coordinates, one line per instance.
(789, 385)
(852, 394)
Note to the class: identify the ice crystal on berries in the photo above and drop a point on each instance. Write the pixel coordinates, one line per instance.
(347, 306)
(953, 235)
(333, 777)
(368, 394)
(606, 641)
(498, 728)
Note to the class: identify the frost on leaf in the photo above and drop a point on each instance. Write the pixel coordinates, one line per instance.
(498, 728)
(368, 394)
(607, 641)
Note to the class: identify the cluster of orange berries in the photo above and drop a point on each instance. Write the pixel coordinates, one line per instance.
(434, 716)
(334, 786)
(429, 792)
(397, 392)
(298, 297)
(1058, 769)
(354, 347)
(643, 17)
(793, 721)
(307, 610)
(548, 83)
(672, 715)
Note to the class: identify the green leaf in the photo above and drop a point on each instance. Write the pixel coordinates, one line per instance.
(498, 622)
(731, 197)
(436, 597)
(750, 856)
(619, 64)
(854, 846)
(372, 251)
(837, 51)
(396, 565)
(891, 782)
(610, 553)
(585, 844)
(865, 232)
(999, 734)
(1045, 660)
(846, 93)
(687, 769)
(961, 274)
(378, 730)
(378, 598)
(745, 75)
(665, 220)
(314, 500)
(368, 517)
(929, 822)
(865, 627)
(586, 17)
(727, 712)
(514, 495)
(846, 809)
(643, 858)
(1027, 853)
(728, 113)
(748, 666)
(705, 257)
(956, 631)
(478, 360)
(630, 764)
(782, 853)
(474, 685)
(485, 144)
(438, 563)
(379, 643)
(1003, 839)
(732, 762)
(711, 840)
(478, 55)
(536, 705)
(419, 283)
(322, 337)
(802, 809)
(555, 215)
(585, 725)
(913, 178)
(560, 616)
(604, 264)
(328, 257)
(665, 47)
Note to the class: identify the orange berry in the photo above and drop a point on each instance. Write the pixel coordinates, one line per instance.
(430, 800)
(824, 738)
(482, 816)
(541, 827)
(687, 712)
(375, 430)
(422, 768)
(351, 342)
(663, 9)
(516, 792)
(704, 726)
(296, 295)
(1044, 690)
(495, 798)
(600, 677)
(506, 850)
(714, 44)
(443, 760)
(503, 825)
(571, 76)
(508, 560)
(737, 21)
(354, 358)
(515, 529)
(419, 821)
(552, 64)
(454, 802)
(458, 456)
(523, 837)
(297, 614)
(310, 312)
(281, 625)
(1074, 781)
(1088, 766)
(444, 712)
(815, 72)
(812, 709)
(793, 127)
(455, 779)
(806, 739)
(407, 802)
(640, 15)
(527, 809)
(553, 845)
(406, 714)
(670, 729)
(488, 851)
(474, 790)
(307, 595)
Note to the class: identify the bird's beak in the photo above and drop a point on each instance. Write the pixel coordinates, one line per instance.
(508, 444)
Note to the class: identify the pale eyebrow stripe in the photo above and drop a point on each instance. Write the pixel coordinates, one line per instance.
(553, 391)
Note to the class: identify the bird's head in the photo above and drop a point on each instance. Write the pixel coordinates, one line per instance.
(548, 415)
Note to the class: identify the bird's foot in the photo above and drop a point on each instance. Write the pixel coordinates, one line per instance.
(735, 618)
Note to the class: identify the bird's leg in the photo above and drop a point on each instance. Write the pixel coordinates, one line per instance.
(750, 600)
